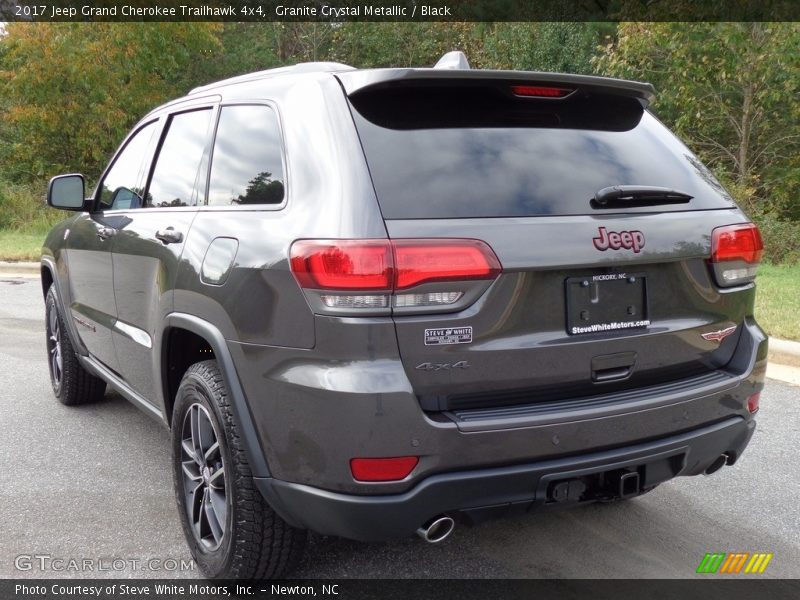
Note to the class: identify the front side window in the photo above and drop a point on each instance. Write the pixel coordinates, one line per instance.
(247, 165)
(177, 178)
(121, 187)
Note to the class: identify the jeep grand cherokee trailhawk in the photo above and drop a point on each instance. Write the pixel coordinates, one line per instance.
(369, 303)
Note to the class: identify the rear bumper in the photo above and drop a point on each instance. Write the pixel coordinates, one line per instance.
(473, 494)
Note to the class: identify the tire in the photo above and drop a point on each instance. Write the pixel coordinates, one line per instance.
(231, 530)
(72, 384)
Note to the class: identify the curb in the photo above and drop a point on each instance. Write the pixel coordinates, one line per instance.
(17, 269)
(784, 352)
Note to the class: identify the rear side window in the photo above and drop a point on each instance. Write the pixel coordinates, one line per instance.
(121, 187)
(247, 163)
(177, 177)
(480, 151)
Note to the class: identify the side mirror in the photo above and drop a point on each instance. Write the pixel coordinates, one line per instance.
(66, 192)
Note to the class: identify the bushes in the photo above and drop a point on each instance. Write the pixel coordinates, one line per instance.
(23, 209)
(781, 239)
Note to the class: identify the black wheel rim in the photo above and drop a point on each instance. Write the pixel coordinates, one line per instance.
(54, 347)
(203, 471)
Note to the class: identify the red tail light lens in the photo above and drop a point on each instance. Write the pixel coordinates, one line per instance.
(387, 266)
(736, 242)
(422, 261)
(343, 264)
(537, 91)
(753, 401)
(383, 469)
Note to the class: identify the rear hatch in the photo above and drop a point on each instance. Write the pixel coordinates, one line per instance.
(601, 289)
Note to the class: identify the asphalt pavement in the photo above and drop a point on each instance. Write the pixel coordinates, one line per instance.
(83, 487)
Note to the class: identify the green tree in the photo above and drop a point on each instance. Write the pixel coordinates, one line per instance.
(396, 44)
(553, 46)
(730, 90)
(71, 91)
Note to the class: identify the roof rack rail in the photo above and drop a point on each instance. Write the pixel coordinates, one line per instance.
(306, 67)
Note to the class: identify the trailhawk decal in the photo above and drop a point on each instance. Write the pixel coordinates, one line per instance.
(449, 335)
(614, 240)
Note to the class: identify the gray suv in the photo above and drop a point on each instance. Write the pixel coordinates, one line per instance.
(369, 303)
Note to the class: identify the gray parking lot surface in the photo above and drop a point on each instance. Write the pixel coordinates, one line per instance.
(83, 487)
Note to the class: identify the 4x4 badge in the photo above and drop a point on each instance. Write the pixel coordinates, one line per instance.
(718, 336)
(630, 240)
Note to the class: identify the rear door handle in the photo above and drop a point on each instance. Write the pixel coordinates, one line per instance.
(106, 232)
(169, 235)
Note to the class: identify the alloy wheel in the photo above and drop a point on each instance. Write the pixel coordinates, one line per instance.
(54, 347)
(205, 497)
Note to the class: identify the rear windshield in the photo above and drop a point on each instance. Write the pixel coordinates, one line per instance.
(480, 151)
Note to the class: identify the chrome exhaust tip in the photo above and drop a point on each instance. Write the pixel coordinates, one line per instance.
(720, 462)
(437, 529)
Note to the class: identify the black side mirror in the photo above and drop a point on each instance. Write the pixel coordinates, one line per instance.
(67, 192)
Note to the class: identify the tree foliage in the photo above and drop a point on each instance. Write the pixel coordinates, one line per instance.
(550, 46)
(71, 91)
(731, 91)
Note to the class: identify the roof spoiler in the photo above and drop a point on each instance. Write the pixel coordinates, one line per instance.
(446, 71)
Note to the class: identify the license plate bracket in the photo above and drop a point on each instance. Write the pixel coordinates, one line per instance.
(606, 302)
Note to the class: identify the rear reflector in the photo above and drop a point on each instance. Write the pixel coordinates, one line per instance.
(382, 469)
(752, 402)
(536, 91)
(737, 242)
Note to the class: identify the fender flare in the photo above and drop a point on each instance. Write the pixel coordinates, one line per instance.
(48, 263)
(239, 404)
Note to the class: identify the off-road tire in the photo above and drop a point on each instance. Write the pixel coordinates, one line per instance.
(72, 384)
(256, 543)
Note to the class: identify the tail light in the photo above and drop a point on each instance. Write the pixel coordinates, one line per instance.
(382, 469)
(736, 251)
(377, 275)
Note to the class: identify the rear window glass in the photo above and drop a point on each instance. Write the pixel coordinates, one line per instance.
(479, 151)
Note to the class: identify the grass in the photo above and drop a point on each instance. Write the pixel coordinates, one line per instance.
(778, 300)
(20, 246)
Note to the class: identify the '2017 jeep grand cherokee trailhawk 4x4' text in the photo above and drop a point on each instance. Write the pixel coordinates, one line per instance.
(369, 303)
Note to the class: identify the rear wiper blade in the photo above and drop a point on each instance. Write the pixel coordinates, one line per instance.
(637, 195)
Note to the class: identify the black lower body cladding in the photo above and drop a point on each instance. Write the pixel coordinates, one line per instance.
(333, 409)
(474, 495)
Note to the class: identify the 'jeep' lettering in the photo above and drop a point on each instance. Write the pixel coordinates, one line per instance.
(630, 240)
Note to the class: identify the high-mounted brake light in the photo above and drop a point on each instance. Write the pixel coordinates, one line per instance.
(538, 91)
(736, 251)
(383, 469)
(382, 270)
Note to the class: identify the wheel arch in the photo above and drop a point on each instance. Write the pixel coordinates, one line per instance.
(181, 328)
(49, 278)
